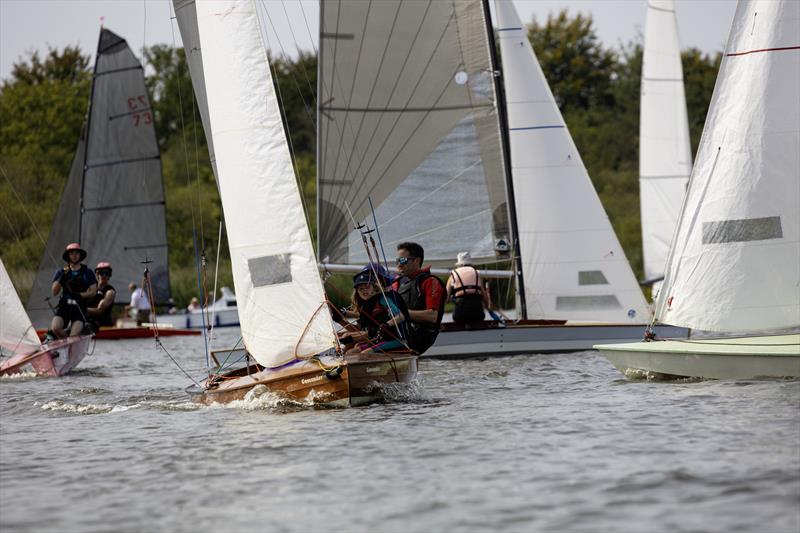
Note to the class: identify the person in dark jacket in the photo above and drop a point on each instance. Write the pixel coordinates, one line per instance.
(99, 310)
(75, 284)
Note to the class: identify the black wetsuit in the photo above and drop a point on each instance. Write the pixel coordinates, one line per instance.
(71, 306)
(104, 319)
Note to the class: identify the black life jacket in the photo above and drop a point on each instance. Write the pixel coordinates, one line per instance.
(373, 313)
(421, 334)
(104, 319)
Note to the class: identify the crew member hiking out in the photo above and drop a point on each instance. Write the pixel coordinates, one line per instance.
(423, 294)
(99, 311)
(465, 291)
(76, 283)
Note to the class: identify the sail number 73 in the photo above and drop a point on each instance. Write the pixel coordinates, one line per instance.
(140, 110)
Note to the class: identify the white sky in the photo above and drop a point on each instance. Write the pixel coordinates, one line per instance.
(27, 25)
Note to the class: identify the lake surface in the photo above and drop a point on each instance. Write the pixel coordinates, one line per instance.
(546, 442)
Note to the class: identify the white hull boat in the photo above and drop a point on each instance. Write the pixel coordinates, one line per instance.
(194, 320)
(776, 356)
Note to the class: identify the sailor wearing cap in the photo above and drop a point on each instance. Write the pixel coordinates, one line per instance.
(75, 283)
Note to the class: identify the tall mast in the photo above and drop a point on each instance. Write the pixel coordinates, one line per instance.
(503, 118)
(88, 130)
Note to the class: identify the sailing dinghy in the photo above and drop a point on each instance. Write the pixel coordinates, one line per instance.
(287, 328)
(734, 263)
(411, 119)
(19, 341)
(665, 157)
(113, 202)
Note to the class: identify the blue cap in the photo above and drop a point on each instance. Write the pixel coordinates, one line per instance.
(367, 274)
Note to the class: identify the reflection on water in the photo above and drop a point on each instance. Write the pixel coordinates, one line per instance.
(550, 442)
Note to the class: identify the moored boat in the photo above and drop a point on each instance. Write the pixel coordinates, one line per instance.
(734, 262)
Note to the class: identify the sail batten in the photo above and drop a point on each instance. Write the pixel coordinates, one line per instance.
(734, 265)
(282, 307)
(408, 122)
(113, 202)
(573, 265)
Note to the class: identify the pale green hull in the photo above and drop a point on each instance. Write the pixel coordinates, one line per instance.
(775, 356)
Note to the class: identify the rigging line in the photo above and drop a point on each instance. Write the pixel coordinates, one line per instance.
(397, 119)
(285, 120)
(300, 56)
(161, 345)
(287, 60)
(442, 226)
(439, 188)
(27, 214)
(216, 275)
(308, 29)
(372, 93)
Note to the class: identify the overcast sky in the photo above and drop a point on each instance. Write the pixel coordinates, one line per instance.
(27, 25)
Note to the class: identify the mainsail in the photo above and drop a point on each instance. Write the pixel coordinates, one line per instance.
(17, 335)
(734, 265)
(407, 119)
(572, 262)
(282, 307)
(113, 202)
(665, 158)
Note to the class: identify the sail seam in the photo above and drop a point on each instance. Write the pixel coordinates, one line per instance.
(404, 109)
(122, 206)
(535, 128)
(656, 177)
(509, 29)
(117, 70)
(662, 79)
(663, 9)
(124, 161)
(761, 50)
(112, 117)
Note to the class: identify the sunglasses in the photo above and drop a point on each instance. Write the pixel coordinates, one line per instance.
(103, 272)
(403, 260)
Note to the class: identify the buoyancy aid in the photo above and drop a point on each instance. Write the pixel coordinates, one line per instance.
(466, 281)
(105, 318)
(375, 312)
(421, 334)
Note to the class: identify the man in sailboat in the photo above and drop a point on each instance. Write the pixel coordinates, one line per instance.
(423, 293)
(99, 312)
(465, 291)
(76, 283)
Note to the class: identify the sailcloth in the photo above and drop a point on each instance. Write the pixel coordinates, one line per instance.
(407, 119)
(281, 302)
(665, 158)
(573, 265)
(186, 15)
(735, 261)
(113, 202)
(17, 334)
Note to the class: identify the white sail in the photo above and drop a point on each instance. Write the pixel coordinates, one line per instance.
(278, 289)
(186, 15)
(665, 157)
(17, 334)
(572, 262)
(735, 261)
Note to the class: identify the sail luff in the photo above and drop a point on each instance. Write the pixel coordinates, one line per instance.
(281, 301)
(665, 159)
(734, 265)
(574, 266)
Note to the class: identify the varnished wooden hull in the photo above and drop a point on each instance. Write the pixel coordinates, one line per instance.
(353, 380)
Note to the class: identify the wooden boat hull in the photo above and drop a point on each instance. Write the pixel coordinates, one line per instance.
(530, 337)
(353, 380)
(55, 359)
(775, 356)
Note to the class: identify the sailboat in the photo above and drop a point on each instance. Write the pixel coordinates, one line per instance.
(734, 263)
(113, 202)
(411, 119)
(665, 157)
(286, 325)
(18, 339)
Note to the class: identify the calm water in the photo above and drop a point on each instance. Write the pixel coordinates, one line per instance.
(550, 442)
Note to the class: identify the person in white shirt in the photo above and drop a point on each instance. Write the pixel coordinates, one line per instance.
(140, 305)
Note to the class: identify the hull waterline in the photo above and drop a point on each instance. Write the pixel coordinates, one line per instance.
(353, 380)
(775, 356)
(55, 359)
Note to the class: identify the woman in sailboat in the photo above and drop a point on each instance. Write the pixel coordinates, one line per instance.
(99, 313)
(465, 291)
(381, 313)
(76, 283)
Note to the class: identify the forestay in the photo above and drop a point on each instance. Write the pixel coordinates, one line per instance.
(113, 202)
(281, 302)
(665, 159)
(572, 262)
(735, 262)
(407, 118)
(186, 15)
(17, 335)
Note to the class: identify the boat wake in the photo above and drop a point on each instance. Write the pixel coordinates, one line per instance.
(83, 409)
(20, 376)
